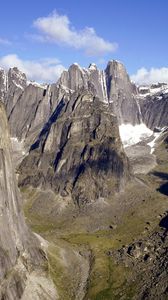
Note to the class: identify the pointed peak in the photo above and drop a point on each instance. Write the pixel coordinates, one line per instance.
(75, 66)
(115, 66)
(92, 67)
(115, 62)
(16, 73)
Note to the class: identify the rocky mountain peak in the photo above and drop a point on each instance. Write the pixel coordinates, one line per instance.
(116, 72)
(92, 67)
(116, 66)
(17, 77)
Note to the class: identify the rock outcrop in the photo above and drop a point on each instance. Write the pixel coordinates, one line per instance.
(112, 86)
(154, 108)
(122, 94)
(20, 254)
(28, 104)
(150, 255)
(79, 152)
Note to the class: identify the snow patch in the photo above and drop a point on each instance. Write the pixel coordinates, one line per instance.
(156, 137)
(131, 135)
(154, 89)
(36, 84)
(103, 84)
(66, 89)
(18, 85)
(165, 91)
(92, 67)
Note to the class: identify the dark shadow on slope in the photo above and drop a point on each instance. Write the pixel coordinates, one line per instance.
(48, 125)
(164, 222)
(161, 175)
(163, 189)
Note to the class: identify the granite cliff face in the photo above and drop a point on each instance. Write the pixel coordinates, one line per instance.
(20, 254)
(112, 86)
(122, 93)
(154, 105)
(29, 105)
(79, 152)
(38, 102)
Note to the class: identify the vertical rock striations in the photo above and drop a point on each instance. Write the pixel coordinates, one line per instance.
(19, 250)
(122, 94)
(78, 153)
(154, 109)
(29, 104)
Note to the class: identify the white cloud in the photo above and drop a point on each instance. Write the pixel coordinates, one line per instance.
(144, 76)
(58, 29)
(4, 42)
(44, 70)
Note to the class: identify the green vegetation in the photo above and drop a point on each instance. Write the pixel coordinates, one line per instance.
(107, 280)
(58, 273)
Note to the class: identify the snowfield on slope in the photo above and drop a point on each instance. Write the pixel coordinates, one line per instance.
(131, 135)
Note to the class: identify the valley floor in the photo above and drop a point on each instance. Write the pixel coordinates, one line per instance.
(86, 245)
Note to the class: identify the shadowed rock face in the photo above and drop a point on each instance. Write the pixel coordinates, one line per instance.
(28, 104)
(19, 249)
(154, 110)
(78, 153)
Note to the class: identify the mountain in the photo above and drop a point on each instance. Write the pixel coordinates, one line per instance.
(154, 105)
(131, 104)
(111, 86)
(21, 256)
(90, 154)
(37, 102)
(86, 142)
(78, 146)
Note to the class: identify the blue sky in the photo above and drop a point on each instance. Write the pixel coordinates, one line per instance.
(46, 36)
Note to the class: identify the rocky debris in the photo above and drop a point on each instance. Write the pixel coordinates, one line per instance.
(79, 152)
(148, 260)
(20, 251)
(141, 160)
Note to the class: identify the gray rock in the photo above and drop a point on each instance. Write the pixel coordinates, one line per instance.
(122, 94)
(20, 252)
(154, 110)
(81, 141)
(79, 152)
